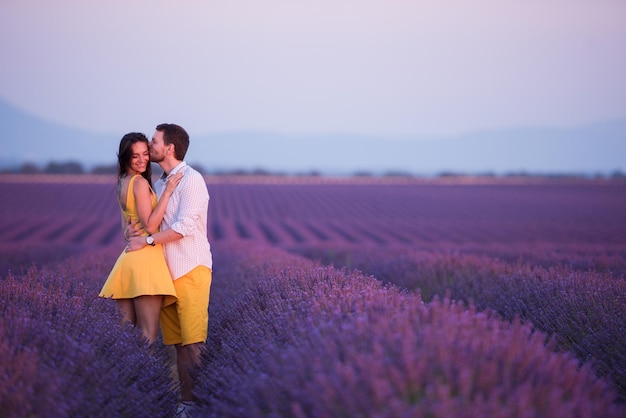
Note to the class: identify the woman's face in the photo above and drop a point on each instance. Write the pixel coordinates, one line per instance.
(139, 159)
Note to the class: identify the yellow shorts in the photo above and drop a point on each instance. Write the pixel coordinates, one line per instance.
(187, 320)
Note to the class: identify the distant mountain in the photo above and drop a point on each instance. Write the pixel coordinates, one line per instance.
(27, 138)
(593, 149)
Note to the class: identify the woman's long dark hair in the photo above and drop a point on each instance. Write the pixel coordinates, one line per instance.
(125, 153)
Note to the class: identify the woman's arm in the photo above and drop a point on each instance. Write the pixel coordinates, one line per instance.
(151, 219)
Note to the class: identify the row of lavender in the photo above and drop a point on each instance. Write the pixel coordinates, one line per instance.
(288, 337)
(582, 308)
(304, 214)
(295, 214)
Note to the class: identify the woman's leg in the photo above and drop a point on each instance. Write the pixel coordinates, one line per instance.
(147, 309)
(128, 310)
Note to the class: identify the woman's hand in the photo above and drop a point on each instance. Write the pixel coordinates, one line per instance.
(171, 182)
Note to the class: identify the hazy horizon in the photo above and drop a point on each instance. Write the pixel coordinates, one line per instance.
(587, 150)
(416, 71)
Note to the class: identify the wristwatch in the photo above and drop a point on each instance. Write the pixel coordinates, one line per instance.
(150, 240)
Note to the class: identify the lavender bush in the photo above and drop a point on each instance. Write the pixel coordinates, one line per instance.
(64, 352)
(317, 341)
(584, 310)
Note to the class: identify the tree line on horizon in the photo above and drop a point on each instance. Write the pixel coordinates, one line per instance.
(74, 167)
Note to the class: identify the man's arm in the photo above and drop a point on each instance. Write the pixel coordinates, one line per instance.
(133, 229)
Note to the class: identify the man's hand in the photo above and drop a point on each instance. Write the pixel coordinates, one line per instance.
(133, 229)
(136, 243)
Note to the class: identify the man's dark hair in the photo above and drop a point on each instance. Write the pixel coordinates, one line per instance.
(174, 134)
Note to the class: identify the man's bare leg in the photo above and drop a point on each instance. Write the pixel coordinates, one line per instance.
(187, 358)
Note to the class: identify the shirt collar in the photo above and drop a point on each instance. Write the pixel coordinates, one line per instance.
(175, 170)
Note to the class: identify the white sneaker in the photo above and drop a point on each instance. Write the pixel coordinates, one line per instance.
(185, 409)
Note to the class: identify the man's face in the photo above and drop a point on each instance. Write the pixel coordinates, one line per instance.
(158, 147)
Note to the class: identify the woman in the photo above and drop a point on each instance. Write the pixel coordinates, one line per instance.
(140, 281)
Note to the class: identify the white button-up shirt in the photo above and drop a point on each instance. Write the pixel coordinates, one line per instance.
(186, 213)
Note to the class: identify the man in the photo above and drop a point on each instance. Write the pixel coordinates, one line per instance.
(187, 252)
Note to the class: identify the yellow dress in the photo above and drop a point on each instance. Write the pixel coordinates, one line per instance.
(141, 272)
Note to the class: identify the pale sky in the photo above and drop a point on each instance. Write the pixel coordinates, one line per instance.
(376, 67)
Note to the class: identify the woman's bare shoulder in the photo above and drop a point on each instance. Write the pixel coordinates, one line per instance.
(140, 181)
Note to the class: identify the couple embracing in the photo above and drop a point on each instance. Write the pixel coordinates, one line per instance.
(164, 274)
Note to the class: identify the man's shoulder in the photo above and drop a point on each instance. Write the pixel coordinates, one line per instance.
(194, 179)
(192, 172)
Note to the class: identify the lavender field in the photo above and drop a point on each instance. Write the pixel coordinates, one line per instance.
(353, 297)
